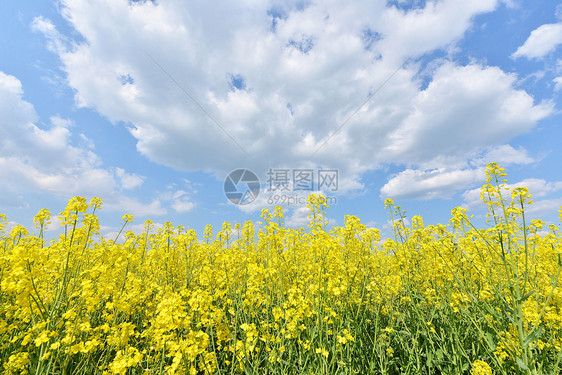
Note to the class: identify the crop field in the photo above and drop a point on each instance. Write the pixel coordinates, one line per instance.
(434, 299)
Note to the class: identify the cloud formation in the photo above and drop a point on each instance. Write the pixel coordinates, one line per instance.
(539, 189)
(437, 183)
(280, 78)
(543, 40)
(43, 158)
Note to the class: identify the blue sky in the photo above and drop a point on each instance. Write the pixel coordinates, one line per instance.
(151, 104)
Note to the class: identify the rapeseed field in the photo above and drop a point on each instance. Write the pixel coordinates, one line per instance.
(435, 299)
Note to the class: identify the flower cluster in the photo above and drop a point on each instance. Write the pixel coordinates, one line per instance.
(435, 299)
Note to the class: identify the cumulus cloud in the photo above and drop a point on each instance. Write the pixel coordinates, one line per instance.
(298, 218)
(463, 109)
(130, 205)
(180, 200)
(438, 183)
(128, 180)
(182, 206)
(505, 155)
(540, 209)
(445, 182)
(557, 83)
(43, 159)
(542, 41)
(539, 188)
(281, 78)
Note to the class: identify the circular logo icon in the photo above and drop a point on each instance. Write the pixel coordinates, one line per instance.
(242, 186)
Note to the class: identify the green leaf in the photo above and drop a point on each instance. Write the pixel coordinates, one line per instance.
(507, 307)
(490, 339)
(490, 309)
(522, 365)
(532, 337)
(524, 298)
(508, 315)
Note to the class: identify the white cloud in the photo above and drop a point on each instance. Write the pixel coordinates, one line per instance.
(504, 155)
(128, 180)
(438, 183)
(542, 41)
(61, 122)
(372, 224)
(128, 205)
(557, 83)
(445, 182)
(389, 227)
(56, 224)
(513, 4)
(111, 233)
(299, 72)
(437, 25)
(182, 205)
(538, 188)
(298, 218)
(180, 200)
(55, 41)
(139, 228)
(10, 225)
(463, 109)
(43, 159)
(471, 199)
(539, 209)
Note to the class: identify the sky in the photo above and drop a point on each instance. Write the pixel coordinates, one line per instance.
(199, 112)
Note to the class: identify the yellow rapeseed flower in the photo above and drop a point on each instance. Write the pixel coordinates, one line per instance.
(480, 368)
